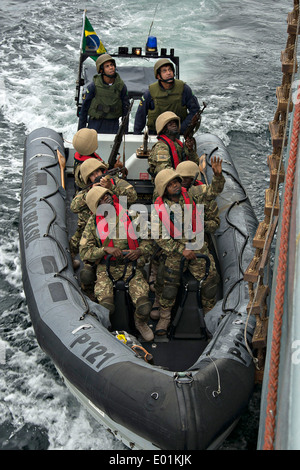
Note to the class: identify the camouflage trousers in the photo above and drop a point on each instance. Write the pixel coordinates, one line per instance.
(75, 239)
(168, 280)
(138, 286)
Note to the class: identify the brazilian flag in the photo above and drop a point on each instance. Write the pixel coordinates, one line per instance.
(90, 41)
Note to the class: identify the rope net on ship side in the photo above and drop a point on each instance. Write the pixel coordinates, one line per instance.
(257, 272)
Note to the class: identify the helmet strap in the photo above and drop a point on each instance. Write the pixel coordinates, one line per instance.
(170, 80)
(108, 76)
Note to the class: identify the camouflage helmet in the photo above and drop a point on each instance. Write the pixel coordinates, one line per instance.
(85, 141)
(102, 59)
(89, 166)
(163, 178)
(188, 169)
(163, 120)
(93, 197)
(160, 63)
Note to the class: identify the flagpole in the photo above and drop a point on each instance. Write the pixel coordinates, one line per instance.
(77, 97)
(83, 25)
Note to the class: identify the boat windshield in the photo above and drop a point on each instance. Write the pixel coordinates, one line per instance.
(137, 78)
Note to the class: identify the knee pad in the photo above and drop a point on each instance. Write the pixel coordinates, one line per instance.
(108, 302)
(169, 291)
(143, 307)
(209, 289)
(87, 275)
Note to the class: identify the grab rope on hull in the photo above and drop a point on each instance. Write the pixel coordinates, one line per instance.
(47, 234)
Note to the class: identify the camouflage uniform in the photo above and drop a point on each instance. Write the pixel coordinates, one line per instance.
(211, 210)
(91, 250)
(211, 190)
(79, 206)
(160, 157)
(169, 269)
(202, 194)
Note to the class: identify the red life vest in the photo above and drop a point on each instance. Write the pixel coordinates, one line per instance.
(173, 151)
(103, 227)
(81, 158)
(164, 216)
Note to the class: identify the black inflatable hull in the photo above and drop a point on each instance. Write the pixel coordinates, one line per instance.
(182, 410)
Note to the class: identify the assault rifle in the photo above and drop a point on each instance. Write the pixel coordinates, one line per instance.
(195, 123)
(111, 172)
(118, 139)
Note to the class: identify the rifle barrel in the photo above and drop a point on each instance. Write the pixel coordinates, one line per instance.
(119, 137)
(107, 173)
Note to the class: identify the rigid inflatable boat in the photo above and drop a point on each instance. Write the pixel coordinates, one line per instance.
(196, 387)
